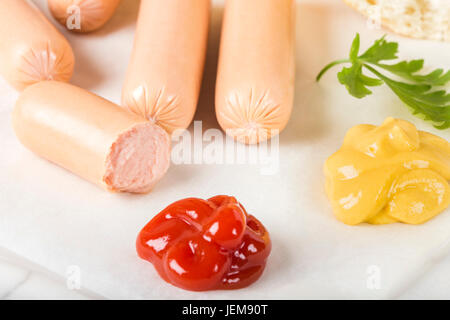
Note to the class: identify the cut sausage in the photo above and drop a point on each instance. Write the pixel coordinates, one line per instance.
(83, 15)
(255, 81)
(31, 49)
(91, 137)
(164, 76)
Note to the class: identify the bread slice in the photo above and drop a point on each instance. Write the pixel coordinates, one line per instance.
(423, 19)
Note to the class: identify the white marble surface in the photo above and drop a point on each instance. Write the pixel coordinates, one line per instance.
(20, 279)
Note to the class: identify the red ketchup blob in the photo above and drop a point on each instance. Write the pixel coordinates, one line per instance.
(200, 245)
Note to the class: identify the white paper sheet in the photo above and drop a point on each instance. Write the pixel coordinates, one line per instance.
(58, 221)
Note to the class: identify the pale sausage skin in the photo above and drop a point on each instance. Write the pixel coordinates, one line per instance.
(256, 72)
(165, 71)
(83, 15)
(91, 137)
(31, 48)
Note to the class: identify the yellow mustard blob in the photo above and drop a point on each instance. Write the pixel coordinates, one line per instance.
(386, 174)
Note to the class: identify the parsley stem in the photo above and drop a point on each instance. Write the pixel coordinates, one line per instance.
(374, 71)
(329, 66)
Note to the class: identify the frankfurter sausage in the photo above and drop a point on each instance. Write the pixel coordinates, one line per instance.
(255, 80)
(165, 72)
(91, 137)
(82, 15)
(31, 49)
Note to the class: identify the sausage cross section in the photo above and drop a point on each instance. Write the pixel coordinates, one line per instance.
(91, 137)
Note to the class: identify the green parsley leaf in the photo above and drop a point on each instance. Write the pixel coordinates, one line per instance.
(417, 93)
(380, 50)
(406, 70)
(354, 50)
(357, 83)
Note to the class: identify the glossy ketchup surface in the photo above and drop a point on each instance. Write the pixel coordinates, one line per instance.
(200, 245)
